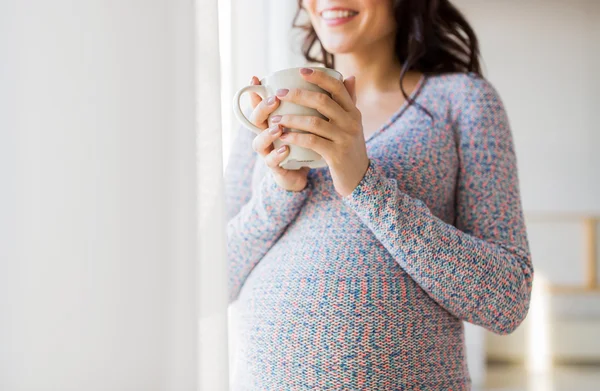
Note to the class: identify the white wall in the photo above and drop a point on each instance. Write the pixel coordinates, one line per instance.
(96, 211)
(543, 57)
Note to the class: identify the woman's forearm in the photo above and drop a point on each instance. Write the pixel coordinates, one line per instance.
(255, 229)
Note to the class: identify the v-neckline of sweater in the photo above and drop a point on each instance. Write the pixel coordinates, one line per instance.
(396, 116)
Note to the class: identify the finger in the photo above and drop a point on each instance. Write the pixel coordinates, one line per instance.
(335, 87)
(350, 84)
(255, 99)
(310, 141)
(263, 143)
(316, 100)
(275, 157)
(263, 110)
(308, 123)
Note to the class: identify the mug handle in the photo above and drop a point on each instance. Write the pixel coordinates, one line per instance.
(237, 110)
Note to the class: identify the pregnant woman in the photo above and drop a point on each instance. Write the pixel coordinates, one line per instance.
(358, 276)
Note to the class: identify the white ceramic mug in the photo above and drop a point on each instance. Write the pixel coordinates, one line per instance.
(287, 78)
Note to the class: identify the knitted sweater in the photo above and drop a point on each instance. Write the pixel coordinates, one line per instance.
(369, 291)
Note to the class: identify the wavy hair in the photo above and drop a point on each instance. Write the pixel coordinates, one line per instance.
(432, 37)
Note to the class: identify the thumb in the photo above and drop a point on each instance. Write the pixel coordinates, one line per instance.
(254, 98)
(350, 84)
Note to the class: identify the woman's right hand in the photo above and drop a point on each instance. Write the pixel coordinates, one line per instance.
(291, 180)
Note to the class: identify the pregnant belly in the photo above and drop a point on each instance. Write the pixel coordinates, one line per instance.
(343, 313)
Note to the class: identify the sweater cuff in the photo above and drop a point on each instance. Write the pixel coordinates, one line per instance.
(369, 189)
(278, 197)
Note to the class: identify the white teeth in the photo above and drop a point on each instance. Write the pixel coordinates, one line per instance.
(337, 14)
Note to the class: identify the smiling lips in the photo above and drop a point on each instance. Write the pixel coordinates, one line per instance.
(338, 16)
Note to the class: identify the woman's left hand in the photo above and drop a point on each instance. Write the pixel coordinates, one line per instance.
(340, 141)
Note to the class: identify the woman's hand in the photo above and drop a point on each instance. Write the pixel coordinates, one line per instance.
(340, 141)
(291, 180)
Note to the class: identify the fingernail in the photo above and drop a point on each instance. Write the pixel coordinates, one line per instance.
(252, 80)
(282, 92)
(271, 100)
(275, 130)
(282, 149)
(275, 119)
(306, 71)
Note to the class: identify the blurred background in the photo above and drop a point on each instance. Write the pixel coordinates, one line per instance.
(110, 157)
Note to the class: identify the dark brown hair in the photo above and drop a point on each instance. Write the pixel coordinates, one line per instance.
(432, 37)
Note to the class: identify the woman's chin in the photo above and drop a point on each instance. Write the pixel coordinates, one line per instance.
(340, 48)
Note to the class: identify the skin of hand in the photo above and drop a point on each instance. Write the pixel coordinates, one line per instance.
(290, 180)
(339, 140)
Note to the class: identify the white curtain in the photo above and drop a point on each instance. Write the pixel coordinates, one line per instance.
(112, 267)
(212, 247)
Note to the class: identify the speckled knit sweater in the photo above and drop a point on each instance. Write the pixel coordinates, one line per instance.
(369, 291)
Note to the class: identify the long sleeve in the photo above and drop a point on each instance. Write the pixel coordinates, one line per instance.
(256, 217)
(238, 172)
(479, 269)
